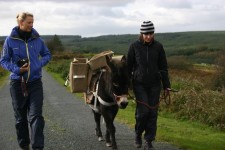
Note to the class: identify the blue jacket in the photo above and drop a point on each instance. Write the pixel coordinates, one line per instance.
(34, 50)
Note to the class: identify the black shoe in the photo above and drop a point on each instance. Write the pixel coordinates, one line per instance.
(148, 146)
(138, 141)
(26, 148)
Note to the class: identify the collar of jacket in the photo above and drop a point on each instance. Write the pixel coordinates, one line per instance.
(145, 43)
(15, 33)
(24, 35)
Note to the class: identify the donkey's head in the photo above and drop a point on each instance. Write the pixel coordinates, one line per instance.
(116, 80)
(120, 80)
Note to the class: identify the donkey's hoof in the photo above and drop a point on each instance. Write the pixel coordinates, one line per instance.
(100, 138)
(108, 144)
(114, 147)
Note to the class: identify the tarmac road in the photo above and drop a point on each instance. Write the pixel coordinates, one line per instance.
(69, 123)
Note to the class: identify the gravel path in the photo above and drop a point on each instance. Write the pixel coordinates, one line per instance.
(69, 123)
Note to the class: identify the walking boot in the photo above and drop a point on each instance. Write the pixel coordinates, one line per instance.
(148, 146)
(26, 148)
(138, 141)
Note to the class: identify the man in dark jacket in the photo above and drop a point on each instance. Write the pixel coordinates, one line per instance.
(147, 66)
(24, 54)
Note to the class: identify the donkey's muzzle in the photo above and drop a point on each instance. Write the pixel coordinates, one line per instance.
(123, 105)
(122, 101)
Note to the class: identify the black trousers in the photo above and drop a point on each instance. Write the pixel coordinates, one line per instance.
(28, 109)
(146, 118)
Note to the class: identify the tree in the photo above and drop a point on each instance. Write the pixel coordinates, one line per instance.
(55, 44)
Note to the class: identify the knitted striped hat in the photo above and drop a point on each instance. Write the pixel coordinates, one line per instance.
(147, 27)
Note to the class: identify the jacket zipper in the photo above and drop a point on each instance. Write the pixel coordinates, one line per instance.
(147, 59)
(28, 56)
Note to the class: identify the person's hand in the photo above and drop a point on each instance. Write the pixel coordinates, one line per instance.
(167, 91)
(24, 68)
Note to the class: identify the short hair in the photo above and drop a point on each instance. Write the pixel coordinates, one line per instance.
(22, 16)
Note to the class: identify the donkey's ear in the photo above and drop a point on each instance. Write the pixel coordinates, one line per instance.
(108, 59)
(109, 62)
(123, 59)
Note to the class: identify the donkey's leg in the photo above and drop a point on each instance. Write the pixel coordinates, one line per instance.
(110, 134)
(110, 129)
(107, 138)
(98, 131)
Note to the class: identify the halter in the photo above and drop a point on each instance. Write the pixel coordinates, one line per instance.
(119, 96)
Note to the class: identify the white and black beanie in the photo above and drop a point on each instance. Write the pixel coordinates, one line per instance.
(147, 27)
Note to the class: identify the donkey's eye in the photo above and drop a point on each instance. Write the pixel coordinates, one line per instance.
(117, 98)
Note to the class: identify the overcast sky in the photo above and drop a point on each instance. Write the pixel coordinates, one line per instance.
(90, 18)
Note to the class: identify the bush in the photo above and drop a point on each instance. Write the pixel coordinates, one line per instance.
(60, 67)
(194, 102)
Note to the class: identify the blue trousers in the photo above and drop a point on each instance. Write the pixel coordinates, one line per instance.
(146, 118)
(28, 111)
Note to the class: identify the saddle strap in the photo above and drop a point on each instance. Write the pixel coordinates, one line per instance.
(96, 109)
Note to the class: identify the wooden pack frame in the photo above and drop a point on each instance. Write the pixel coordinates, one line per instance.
(81, 70)
(98, 61)
(78, 75)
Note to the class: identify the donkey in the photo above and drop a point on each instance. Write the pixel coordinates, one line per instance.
(110, 90)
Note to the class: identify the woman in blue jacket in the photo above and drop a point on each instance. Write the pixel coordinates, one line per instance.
(147, 66)
(24, 54)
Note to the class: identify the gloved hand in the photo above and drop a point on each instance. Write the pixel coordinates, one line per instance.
(166, 92)
(24, 68)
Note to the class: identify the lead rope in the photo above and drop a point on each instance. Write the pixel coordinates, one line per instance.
(165, 97)
(23, 87)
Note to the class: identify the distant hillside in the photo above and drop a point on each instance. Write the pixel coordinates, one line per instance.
(201, 46)
(212, 40)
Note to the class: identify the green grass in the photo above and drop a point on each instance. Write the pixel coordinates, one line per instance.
(3, 79)
(185, 134)
(189, 135)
